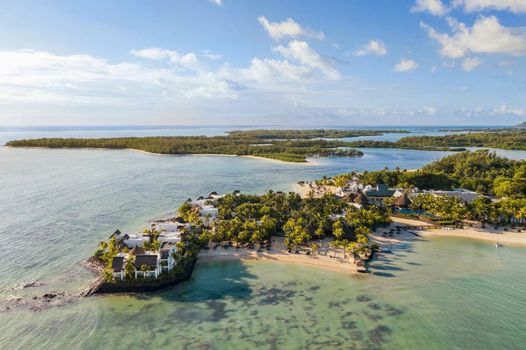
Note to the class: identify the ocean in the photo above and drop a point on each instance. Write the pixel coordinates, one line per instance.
(56, 205)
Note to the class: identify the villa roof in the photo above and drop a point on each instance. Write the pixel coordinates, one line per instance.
(402, 201)
(381, 191)
(361, 198)
(137, 251)
(117, 263)
(146, 259)
(116, 233)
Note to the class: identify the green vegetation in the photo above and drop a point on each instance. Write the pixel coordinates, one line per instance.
(481, 171)
(482, 209)
(289, 151)
(252, 219)
(506, 139)
(264, 134)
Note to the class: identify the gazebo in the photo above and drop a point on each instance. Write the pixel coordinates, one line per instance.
(403, 201)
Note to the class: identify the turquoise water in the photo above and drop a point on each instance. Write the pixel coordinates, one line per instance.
(58, 204)
(433, 294)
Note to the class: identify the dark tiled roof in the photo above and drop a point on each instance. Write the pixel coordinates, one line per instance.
(381, 191)
(116, 233)
(117, 263)
(137, 251)
(360, 198)
(146, 259)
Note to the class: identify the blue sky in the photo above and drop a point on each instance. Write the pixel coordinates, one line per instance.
(349, 62)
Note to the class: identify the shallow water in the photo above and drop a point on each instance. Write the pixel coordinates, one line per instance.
(56, 205)
(434, 294)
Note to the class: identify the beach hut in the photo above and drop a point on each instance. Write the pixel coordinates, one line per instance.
(403, 201)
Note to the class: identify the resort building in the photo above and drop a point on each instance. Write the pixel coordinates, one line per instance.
(377, 196)
(466, 195)
(360, 200)
(135, 240)
(117, 266)
(147, 265)
(166, 256)
(402, 201)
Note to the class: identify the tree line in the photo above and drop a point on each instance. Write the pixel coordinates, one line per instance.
(254, 219)
(285, 150)
(510, 139)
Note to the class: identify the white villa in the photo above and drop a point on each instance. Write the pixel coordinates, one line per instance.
(162, 260)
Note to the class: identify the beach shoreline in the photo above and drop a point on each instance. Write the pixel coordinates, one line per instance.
(309, 162)
(494, 236)
(278, 254)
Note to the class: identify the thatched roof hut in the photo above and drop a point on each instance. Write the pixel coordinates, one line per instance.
(403, 201)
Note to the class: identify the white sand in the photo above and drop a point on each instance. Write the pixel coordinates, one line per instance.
(278, 254)
(476, 232)
(491, 235)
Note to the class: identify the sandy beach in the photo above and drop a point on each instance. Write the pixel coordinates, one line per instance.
(319, 191)
(475, 232)
(280, 254)
(490, 235)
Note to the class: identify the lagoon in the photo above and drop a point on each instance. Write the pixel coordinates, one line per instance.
(58, 204)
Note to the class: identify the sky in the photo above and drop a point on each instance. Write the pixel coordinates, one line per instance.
(272, 62)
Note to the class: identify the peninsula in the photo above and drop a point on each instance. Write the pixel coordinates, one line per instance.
(336, 223)
(284, 145)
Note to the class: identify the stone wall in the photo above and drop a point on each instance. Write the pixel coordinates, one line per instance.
(144, 285)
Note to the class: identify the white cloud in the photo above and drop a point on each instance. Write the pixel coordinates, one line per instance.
(470, 63)
(271, 71)
(504, 110)
(36, 77)
(434, 7)
(428, 110)
(186, 61)
(373, 47)
(486, 36)
(405, 65)
(516, 6)
(301, 52)
(288, 28)
(217, 2)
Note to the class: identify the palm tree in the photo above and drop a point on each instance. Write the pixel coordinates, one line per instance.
(144, 268)
(129, 267)
(337, 229)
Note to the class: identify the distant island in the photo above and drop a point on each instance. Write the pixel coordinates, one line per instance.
(521, 125)
(289, 145)
(503, 139)
(284, 145)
